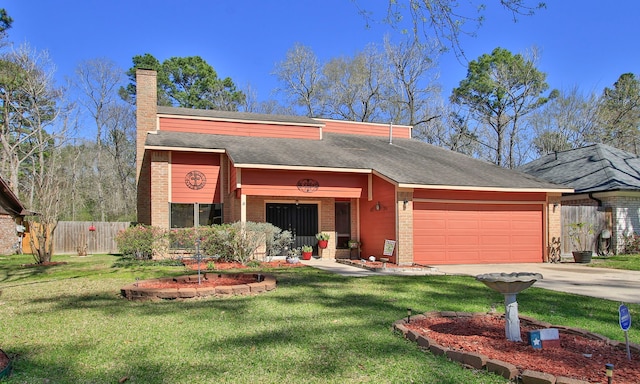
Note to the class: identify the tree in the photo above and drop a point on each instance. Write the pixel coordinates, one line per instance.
(619, 114)
(412, 90)
(98, 81)
(188, 82)
(498, 91)
(448, 20)
(353, 87)
(301, 78)
(567, 121)
(28, 105)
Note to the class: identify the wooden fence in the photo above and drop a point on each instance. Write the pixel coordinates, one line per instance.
(73, 235)
(581, 213)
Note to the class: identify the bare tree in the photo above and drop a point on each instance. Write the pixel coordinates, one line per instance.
(412, 85)
(28, 101)
(353, 87)
(567, 121)
(98, 80)
(300, 76)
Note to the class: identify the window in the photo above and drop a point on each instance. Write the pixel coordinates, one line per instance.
(194, 215)
(343, 224)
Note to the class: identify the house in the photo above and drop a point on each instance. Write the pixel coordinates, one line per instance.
(606, 183)
(356, 181)
(12, 214)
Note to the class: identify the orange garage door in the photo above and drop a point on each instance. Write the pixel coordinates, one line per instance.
(449, 233)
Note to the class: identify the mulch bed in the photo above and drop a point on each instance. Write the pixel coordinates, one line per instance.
(204, 283)
(222, 265)
(373, 265)
(578, 357)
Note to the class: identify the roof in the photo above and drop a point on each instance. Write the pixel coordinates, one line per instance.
(9, 202)
(595, 168)
(407, 162)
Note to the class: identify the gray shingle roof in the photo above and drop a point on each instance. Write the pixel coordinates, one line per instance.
(594, 168)
(406, 161)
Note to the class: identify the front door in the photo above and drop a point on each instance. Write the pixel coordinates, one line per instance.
(300, 219)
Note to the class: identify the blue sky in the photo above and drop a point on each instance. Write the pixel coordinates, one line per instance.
(583, 43)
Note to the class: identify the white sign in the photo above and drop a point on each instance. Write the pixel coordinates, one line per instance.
(389, 246)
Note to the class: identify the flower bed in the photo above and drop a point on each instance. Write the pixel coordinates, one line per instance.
(209, 284)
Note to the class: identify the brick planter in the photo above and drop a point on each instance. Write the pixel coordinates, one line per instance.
(137, 291)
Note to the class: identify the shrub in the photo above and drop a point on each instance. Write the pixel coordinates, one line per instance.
(631, 243)
(138, 241)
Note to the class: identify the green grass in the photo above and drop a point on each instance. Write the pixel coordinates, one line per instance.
(68, 324)
(628, 262)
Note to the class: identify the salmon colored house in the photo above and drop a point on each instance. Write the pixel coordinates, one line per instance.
(356, 181)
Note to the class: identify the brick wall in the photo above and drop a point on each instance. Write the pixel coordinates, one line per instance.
(146, 108)
(626, 216)
(7, 234)
(404, 246)
(554, 220)
(160, 189)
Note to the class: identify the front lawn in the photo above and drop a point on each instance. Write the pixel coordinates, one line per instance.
(628, 262)
(68, 324)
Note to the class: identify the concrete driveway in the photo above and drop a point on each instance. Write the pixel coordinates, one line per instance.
(581, 279)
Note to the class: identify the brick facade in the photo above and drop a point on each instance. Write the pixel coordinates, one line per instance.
(146, 117)
(404, 246)
(8, 236)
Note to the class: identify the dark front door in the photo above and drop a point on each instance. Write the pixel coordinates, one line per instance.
(300, 219)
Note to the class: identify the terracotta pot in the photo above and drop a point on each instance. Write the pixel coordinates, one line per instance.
(306, 255)
(583, 257)
(323, 243)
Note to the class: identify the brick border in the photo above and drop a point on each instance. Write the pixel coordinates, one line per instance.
(263, 283)
(508, 371)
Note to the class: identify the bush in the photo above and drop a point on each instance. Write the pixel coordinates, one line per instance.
(632, 243)
(138, 241)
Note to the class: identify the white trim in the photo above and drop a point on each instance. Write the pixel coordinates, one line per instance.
(492, 189)
(245, 121)
(303, 168)
(183, 149)
(598, 195)
(384, 125)
(243, 208)
(500, 202)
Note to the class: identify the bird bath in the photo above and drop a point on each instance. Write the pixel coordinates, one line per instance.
(510, 284)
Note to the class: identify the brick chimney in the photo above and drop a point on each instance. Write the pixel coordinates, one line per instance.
(146, 118)
(146, 110)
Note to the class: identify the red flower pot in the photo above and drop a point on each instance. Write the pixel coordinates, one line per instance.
(306, 255)
(323, 243)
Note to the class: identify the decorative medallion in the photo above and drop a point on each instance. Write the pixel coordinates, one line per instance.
(308, 185)
(195, 180)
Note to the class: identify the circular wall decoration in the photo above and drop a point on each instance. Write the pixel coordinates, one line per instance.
(195, 180)
(307, 185)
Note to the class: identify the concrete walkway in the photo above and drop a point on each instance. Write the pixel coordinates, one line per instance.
(580, 279)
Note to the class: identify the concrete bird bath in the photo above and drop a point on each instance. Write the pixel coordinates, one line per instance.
(510, 284)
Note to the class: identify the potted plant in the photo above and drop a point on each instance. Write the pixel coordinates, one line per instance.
(306, 252)
(354, 244)
(323, 239)
(581, 235)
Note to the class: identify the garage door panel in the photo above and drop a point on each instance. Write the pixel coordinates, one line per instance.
(446, 233)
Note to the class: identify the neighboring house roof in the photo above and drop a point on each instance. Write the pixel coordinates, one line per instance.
(9, 203)
(595, 168)
(408, 162)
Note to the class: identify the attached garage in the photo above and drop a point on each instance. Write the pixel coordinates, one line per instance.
(474, 233)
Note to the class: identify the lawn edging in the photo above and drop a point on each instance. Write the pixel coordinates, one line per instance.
(507, 370)
(134, 291)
